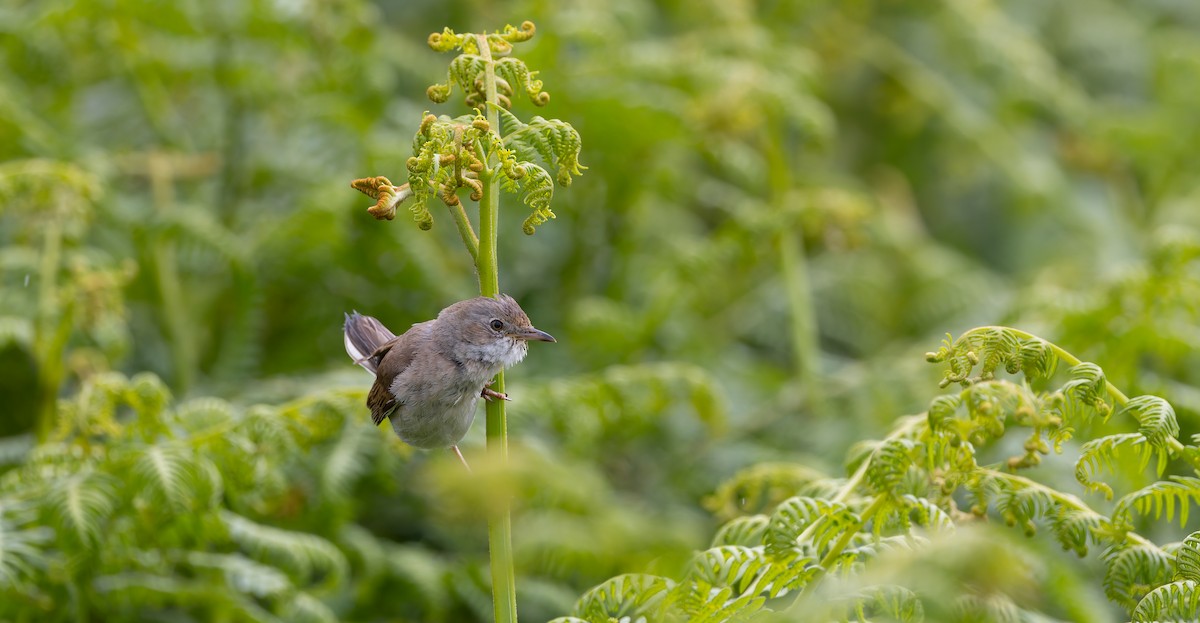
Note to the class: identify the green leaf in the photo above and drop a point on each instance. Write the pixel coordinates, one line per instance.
(306, 557)
(1155, 417)
(81, 506)
(1176, 601)
(631, 595)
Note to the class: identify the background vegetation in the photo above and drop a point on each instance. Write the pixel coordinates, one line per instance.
(787, 204)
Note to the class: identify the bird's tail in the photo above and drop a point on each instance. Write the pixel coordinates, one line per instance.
(364, 334)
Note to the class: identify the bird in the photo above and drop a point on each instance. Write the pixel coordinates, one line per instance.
(429, 379)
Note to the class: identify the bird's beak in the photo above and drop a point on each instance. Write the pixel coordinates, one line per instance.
(531, 333)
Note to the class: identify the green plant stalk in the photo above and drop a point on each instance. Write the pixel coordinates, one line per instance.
(166, 275)
(793, 266)
(49, 332)
(504, 589)
(465, 231)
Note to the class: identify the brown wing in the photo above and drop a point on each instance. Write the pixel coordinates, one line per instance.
(391, 359)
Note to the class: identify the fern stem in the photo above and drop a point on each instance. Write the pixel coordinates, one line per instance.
(166, 275)
(848, 535)
(793, 265)
(794, 268)
(504, 590)
(839, 546)
(470, 240)
(47, 343)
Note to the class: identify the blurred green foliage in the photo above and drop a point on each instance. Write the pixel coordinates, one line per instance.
(787, 203)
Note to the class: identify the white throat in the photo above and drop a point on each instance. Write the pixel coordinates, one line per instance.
(502, 353)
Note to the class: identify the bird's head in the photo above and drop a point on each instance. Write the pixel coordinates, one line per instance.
(490, 330)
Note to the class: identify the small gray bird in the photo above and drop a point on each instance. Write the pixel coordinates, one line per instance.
(428, 380)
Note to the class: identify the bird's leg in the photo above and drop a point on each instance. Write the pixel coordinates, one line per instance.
(490, 394)
(458, 453)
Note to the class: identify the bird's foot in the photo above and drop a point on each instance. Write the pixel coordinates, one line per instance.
(491, 394)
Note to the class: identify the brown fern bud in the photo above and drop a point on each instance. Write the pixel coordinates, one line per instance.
(476, 187)
(482, 125)
(369, 186)
(383, 210)
(448, 196)
(541, 99)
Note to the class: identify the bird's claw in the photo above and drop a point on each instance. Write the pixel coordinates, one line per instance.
(491, 394)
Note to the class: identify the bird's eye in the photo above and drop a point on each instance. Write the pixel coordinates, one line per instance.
(497, 324)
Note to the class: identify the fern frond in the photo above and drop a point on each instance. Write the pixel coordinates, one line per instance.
(867, 549)
(1156, 421)
(244, 575)
(1099, 453)
(1089, 387)
(996, 348)
(1133, 571)
(726, 583)
(747, 531)
(1160, 498)
(81, 505)
(760, 488)
(702, 603)
(348, 459)
(518, 76)
(202, 414)
(304, 608)
(887, 602)
(820, 520)
(928, 514)
(554, 142)
(1075, 528)
(148, 396)
(890, 465)
(735, 566)
(22, 551)
(161, 468)
(421, 568)
(536, 192)
(464, 70)
(942, 411)
(990, 348)
(303, 555)
(1187, 558)
(629, 595)
(1038, 359)
(1176, 601)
